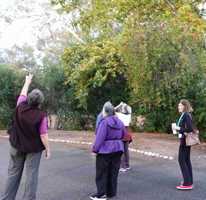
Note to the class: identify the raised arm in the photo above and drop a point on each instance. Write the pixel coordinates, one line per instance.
(118, 106)
(26, 84)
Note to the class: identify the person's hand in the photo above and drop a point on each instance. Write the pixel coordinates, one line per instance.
(26, 84)
(29, 78)
(177, 128)
(94, 154)
(48, 154)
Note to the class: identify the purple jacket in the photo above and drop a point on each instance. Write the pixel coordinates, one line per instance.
(109, 134)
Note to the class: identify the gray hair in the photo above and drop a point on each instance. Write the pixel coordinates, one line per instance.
(108, 109)
(35, 98)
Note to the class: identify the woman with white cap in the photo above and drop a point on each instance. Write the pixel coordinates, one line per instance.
(124, 115)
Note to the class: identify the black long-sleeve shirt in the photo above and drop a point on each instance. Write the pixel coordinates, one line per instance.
(186, 125)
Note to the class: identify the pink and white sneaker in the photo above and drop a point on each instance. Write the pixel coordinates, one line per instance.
(183, 183)
(182, 187)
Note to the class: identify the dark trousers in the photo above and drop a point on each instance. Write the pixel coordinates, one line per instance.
(185, 164)
(15, 171)
(107, 169)
(125, 156)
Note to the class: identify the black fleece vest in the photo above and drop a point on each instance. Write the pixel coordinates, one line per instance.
(24, 133)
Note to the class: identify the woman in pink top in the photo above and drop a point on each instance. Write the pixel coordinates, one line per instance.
(28, 138)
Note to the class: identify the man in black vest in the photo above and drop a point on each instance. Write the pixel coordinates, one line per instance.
(28, 138)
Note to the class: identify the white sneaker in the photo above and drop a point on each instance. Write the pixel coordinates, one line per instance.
(128, 168)
(122, 169)
(94, 197)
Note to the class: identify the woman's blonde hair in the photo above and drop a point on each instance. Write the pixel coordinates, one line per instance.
(186, 104)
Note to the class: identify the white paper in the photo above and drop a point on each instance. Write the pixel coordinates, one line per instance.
(174, 131)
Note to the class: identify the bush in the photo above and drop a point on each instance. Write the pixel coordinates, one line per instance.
(11, 84)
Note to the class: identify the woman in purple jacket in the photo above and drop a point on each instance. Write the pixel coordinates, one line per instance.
(108, 149)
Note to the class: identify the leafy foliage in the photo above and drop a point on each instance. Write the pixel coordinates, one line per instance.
(146, 52)
(10, 82)
(107, 17)
(59, 97)
(90, 66)
(162, 58)
(166, 61)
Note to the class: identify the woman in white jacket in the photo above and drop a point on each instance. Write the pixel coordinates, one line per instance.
(124, 115)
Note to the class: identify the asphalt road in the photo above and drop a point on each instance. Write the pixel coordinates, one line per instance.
(70, 175)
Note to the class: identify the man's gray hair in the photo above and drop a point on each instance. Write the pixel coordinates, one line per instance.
(108, 108)
(35, 98)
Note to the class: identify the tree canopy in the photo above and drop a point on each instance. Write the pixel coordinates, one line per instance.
(147, 53)
(157, 47)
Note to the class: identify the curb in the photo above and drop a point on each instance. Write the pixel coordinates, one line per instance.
(91, 143)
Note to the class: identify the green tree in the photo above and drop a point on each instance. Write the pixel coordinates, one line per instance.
(89, 66)
(167, 61)
(11, 83)
(157, 47)
(111, 22)
(105, 16)
(60, 99)
(95, 74)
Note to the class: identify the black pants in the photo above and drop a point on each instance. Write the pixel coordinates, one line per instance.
(185, 164)
(107, 169)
